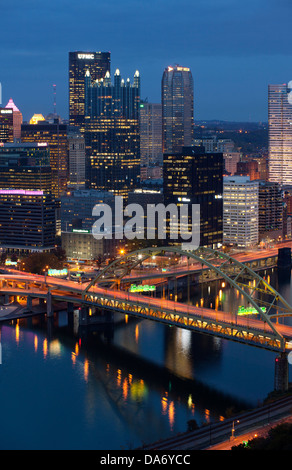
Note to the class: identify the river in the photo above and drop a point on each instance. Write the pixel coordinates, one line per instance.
(67, 388)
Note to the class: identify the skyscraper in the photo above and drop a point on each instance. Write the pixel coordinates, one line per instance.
(6, 125)
(27, 221)
(27, 207)
(196, 177)
(25, 166)
(280, 135)
(17, 119)
(97, 63)
(151, 133)
(56, 137)
(177, 96)
(241, 211)
(76, 160)
(270, 210)
(112, 133)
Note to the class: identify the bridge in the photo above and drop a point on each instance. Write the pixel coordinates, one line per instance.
(110, 293)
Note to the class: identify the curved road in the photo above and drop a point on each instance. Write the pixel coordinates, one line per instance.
(247, 424)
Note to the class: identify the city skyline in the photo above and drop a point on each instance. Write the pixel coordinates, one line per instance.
(234, 53)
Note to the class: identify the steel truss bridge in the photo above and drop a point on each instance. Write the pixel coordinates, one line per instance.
(108, 291)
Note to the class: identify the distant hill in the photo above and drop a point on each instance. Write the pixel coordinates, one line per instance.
(249, 137)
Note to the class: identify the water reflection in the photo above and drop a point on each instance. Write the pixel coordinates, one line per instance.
(132, 391)
(143, 384)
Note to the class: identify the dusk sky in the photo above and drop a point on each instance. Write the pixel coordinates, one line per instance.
(234, 49)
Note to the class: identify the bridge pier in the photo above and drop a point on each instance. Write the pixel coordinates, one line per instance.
(29, 303)
(50, 311)
(281, 373)
(70, 307)
(84, 314)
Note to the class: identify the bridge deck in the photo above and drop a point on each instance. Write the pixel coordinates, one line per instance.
(220, 323)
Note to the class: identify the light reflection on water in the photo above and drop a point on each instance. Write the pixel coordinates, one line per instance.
(62, 390)
(103, 395)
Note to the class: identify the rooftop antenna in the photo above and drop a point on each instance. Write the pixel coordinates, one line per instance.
(55, 100)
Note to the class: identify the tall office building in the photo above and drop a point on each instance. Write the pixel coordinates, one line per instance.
(97, 63)
(270, 210)
(151, 133)
(196, 177)
(177, 96)
(25, 166)
(112, 134)
(27, 207)
(230, 160)
(56, 137)
(77, 206)
(27, 221)
(6, 125)
(17, 119)
(280, 135)
(77, 224)
(240, 211)
(76, 160)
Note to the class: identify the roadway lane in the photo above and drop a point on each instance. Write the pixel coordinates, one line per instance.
(71, 288)
(245, 424)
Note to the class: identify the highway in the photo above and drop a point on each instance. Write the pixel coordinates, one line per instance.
(179, 314)
(191, 267)
(245, 424)
(176, 312)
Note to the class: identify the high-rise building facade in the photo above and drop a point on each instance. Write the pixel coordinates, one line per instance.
(280, 135)
(177, 97)
(55, 136)
(27, 206)
(17, 119)
(112, 134)
(151, 133)
(97, 63)
(231, 160)
(240, 211)
(77, 206)
(76, 160)
(197, 178)
(6, 125)
(271, 205)
(25, 166)
(27, 221)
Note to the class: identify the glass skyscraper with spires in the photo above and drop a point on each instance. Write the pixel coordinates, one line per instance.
(98, 64)
(112, 133)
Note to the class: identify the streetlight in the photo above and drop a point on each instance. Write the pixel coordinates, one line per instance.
(233, 429)
(45, 272)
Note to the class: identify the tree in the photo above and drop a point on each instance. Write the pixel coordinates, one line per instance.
(192, 425)
(60, 253)
(3, 257)
(278, 438)
(38, 263)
